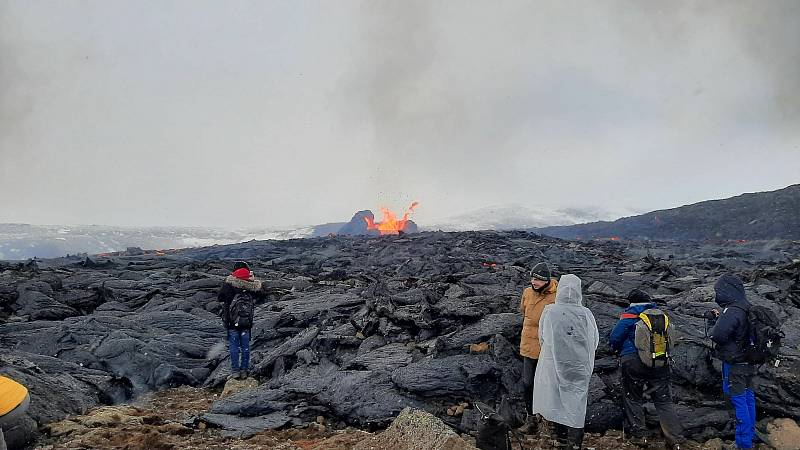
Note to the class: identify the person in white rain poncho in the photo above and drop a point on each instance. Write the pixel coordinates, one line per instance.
(569, 337)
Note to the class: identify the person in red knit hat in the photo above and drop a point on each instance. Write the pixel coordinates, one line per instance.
(238, 297)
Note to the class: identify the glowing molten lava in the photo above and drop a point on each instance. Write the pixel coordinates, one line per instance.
(390, 224)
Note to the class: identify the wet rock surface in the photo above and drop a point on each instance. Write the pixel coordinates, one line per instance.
(359, 328)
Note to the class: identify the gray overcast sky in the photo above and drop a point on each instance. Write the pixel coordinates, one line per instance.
(275, 113)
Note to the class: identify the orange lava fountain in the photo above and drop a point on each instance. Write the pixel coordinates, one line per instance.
(390, 224)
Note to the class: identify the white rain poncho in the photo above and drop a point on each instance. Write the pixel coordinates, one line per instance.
(569, 338)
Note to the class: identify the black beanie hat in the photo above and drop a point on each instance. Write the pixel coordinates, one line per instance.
(240, 265)
(639, 296)
(541, 272)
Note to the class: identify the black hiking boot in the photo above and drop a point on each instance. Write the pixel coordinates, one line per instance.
(639, 441)
(531, 425)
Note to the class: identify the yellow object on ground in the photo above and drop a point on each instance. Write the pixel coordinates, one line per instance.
(11, 394)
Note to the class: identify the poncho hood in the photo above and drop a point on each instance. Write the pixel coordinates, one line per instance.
(569, 291)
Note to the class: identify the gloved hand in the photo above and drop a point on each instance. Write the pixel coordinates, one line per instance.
(711, 316)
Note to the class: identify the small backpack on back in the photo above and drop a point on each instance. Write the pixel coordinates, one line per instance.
(652, 338)
(240, 312)
(764, 333)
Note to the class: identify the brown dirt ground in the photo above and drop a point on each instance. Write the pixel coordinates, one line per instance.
(156, 422)
(160, 421)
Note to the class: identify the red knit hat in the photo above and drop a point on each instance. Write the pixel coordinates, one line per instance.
(242, 274)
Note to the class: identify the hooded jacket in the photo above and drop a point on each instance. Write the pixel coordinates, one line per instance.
(623, 336)
(531, 306)
(732, 327)
(230, 288)
(569, 338)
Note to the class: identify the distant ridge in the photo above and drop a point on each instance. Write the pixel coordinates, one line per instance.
(753, 216)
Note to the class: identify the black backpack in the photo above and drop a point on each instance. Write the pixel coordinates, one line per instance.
(763, 339)
(240, 312)
(492, 432)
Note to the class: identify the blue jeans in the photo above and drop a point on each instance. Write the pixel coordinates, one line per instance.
(737, 384)
(239, 344)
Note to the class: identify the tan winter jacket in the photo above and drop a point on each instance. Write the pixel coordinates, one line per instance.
(531, 307)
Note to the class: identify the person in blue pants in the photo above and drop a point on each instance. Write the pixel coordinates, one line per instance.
(737, 384)
(237, 296)
(729, 334)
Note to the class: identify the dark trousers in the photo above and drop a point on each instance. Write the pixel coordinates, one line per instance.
(572, 437)
(239, 344)
(12, 418)
(636, 377)
(528, 374)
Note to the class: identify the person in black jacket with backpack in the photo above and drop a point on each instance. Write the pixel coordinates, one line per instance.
(238, 296)
(636, 376)
(731, 334)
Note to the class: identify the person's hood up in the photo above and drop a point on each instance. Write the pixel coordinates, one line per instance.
(248, 285)
(569, 291)
(729, 290)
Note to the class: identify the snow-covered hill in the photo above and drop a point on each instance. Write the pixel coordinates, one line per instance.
(22, 241)
(518, 217)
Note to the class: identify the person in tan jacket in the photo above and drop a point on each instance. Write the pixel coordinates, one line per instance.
(540, 293)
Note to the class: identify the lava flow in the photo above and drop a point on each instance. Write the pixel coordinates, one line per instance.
(390, 224)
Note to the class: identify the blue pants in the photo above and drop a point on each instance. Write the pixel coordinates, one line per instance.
(239, 344)
(737, 384)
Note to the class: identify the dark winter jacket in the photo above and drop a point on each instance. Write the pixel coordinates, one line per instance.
(731, 330)
(230, 288)
(623, 334)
